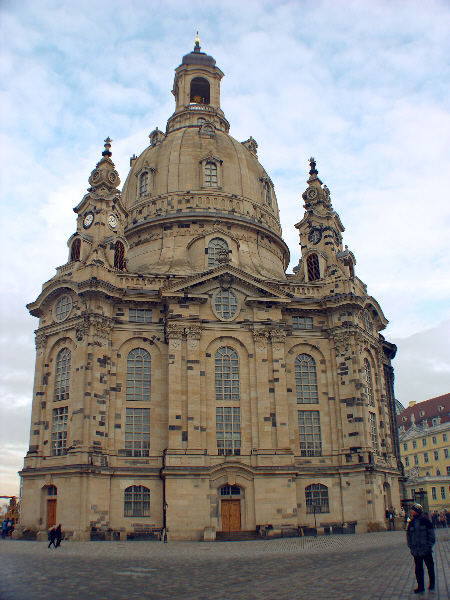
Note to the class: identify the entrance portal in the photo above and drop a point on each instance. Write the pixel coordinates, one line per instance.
(230, 507)
(231, 515)
(51, 513)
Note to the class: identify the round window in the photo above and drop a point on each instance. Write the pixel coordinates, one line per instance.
(63, 308)
(225, 304)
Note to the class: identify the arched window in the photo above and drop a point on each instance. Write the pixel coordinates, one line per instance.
(215, 246)
(62, 375)
(267, 193)
(119, 256)
(226, 304)
(210, 174)
(143, 183)
(367, 320)
(312, 263)
(52, 491)
(75, 249)
(138, 375)
(369, 383)
(136, 501)
(317, 500)
(227, 374)
(306, 380)
(351, 268)
(199, 91)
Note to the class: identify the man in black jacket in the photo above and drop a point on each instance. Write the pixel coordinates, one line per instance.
(420, 538)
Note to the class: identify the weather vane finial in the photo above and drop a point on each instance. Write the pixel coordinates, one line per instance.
(312, 164)
(197, 44)
(107, 151)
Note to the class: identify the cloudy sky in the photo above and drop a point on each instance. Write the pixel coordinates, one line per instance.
(361, 85)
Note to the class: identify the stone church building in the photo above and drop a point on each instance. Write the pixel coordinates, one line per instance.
(184, 381)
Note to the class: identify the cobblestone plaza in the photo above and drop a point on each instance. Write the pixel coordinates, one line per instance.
(349, 567)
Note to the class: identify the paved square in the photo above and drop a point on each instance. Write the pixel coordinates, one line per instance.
(349, 567)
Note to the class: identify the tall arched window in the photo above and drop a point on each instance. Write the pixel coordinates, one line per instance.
(317, 500)
(199, 91)
(75, 249)
(227, 374)
(215, 246)
(267, 193)
(306, 380)
(136, 501)
(62, 375)
(143, 183)
(119, 256)
(138, 375)
(312, 263)
(369, 383)
(210, 174)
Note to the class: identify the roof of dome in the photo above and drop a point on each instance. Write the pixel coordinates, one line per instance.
(198, 58)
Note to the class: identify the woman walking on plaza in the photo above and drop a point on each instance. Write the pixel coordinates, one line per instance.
(420, 537)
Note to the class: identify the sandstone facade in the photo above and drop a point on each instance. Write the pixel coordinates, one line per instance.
(185, 381)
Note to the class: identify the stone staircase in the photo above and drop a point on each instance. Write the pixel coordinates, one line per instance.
(237, 536)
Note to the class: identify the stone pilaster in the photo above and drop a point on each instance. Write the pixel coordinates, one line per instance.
(278, 339)
(174, 335)
(193, 335)
(262, 376)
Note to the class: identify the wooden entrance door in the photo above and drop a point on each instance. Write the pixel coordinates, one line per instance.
(51, 513)
(231, 515)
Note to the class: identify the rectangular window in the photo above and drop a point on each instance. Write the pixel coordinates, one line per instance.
(309, 433)
(407, 461)
(405, 446)
(443, 493)
(434, 439)
(302, 322)
(436, 455)
(425, 457)
(416, 459)
(59, 431)
(445, 452)
(137, 432)
(424, 442)
(414, 444)
(444, 437)
(373, 430)
(448, 470)
(228, 430)
(140, 315)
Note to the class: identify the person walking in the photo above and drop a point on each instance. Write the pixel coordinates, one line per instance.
(4, 529)
(51, 537)
(420, 538)
(58, 536)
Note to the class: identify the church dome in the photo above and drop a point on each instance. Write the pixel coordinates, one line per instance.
(196, 173)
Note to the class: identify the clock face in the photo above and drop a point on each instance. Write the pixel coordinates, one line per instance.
(88, 220)
(311, 193)
(315, 235)
(112, 221)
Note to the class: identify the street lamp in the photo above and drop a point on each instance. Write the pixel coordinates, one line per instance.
(315, 507)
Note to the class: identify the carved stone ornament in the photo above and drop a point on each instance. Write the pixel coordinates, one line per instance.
(40, 341)
(174, 334)
(102, 325)
(342, 342)
(193, 335)
(260, 337)
(278, 336)
(82, 329)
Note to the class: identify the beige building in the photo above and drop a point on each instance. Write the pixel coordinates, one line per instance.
(183, 378)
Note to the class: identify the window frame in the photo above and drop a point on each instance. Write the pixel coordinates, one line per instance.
(226, 362)
(138, 389)
(61, 391)
(60, 418)
(310, 438)
(137, 431)
(228, 430)
(138, 502)
(320, 491)
(306, 382)
(313, 267)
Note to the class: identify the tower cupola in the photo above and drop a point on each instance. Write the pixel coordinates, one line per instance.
(196, 88)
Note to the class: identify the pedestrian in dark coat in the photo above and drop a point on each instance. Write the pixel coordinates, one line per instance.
(420, 537)
(58, 534)
(51, 537)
